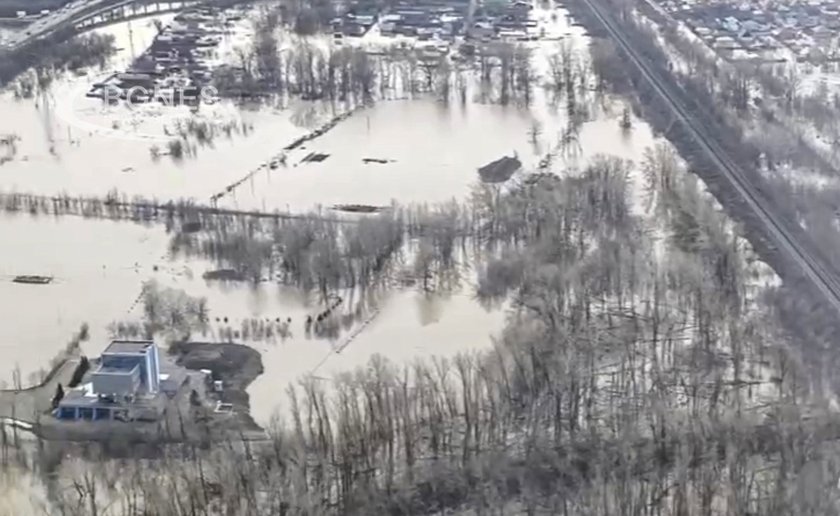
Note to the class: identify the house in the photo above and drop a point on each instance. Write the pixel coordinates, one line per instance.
(755, 28)
(388, 22)
(731, 24)
(483, 29)
(787, 34)
(822, 35)
(726, 43)
(136, 80)
(124, 386)
(703, 31)
(127, 355)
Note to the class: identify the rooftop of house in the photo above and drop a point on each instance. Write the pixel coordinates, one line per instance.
(128, 347)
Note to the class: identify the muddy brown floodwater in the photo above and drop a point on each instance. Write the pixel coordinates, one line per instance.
(431, 152)
(97, 269)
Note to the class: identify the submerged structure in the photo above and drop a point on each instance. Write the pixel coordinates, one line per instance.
(126, 385)
(34, 280)
(500, 170)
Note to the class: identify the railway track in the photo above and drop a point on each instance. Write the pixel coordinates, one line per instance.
(813, 267)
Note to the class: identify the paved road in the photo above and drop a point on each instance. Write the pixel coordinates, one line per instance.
(58, 19)
(821, 276)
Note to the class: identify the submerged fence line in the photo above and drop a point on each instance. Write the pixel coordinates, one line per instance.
(116, 207)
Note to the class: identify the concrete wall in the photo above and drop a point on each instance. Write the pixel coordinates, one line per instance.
(117, 382)
(147, 360)
(153, 365)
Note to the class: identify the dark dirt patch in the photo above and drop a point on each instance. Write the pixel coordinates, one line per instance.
(235, 365)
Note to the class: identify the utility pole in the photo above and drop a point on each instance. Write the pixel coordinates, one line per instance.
(131, 41)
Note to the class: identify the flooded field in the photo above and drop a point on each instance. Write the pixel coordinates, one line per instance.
(398, 323)
(425, 152)
(433, 153)
(469, 334)
(71, 143)
(97, 269)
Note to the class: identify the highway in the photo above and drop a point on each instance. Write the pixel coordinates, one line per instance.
(71, 14)
(813, 268)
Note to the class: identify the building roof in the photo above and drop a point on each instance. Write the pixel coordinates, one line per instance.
(128, 347)
(117, 370)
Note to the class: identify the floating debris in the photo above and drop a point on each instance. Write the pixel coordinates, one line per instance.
(33, 280)
(277, 161)
(381, 161)
(314, 157)
(358, 208)
(280, 159)
(224, 275)
(500, 170)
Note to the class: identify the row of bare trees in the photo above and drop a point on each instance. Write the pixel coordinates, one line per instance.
(326, 255)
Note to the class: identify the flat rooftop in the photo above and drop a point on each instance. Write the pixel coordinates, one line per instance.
(116, 370)
(128, 346)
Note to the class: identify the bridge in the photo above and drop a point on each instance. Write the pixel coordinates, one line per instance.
(130, 9)
(94, 13)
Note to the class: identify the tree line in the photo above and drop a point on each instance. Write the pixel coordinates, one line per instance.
(637, 374)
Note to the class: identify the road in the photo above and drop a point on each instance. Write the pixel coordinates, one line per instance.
(813, 268)
(72, 13)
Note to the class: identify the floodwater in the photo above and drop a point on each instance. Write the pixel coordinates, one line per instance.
(400, 324)
(69, 143)
(433, 151)
(98, 268)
